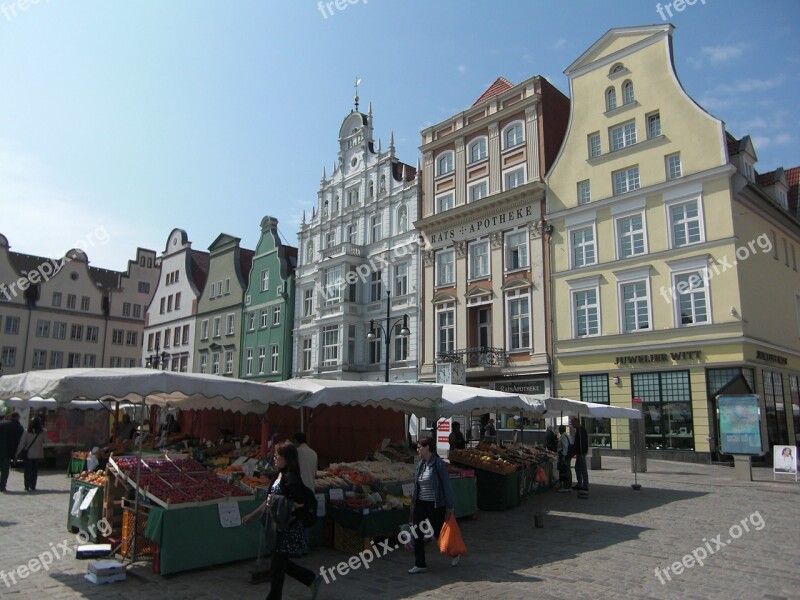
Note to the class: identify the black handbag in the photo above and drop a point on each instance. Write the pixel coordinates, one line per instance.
(23, 454)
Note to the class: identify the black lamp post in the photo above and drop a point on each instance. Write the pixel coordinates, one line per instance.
(156, 360)
(374, 328)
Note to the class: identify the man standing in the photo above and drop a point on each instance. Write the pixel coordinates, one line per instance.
(580, 439)
(307, 459)
(10, 433)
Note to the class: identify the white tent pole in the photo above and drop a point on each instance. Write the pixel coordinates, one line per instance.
(138, 474)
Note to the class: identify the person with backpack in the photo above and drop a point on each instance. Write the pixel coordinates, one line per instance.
(580, 442)
(286, 525)
(564, 446)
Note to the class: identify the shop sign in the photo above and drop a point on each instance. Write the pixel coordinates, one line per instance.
(483, 226)
(659, 357)
(534, 386)
(766, 356)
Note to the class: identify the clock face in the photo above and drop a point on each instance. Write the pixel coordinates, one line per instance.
(443, 374)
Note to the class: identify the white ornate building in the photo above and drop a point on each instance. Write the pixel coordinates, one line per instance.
(359, 251)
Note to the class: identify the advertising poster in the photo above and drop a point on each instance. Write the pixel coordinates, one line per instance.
(784, 460)
(740, 425)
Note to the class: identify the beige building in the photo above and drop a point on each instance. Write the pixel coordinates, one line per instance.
(663, 243)
(60, 313)
(484, 290)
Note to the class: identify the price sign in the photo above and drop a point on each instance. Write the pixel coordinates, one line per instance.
(408, 489)
(336, 494)
(229, 515)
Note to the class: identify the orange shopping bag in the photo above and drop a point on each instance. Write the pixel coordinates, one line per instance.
(450, 540)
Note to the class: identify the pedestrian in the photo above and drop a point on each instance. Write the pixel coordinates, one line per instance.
(431, 500)
(491, 432)
(289, 538)
(31, 450)
(580, 438)
(307, 459)
(563, 447)
(456, 438)
(10, 433)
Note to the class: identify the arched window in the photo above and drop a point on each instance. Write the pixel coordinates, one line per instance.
(402, 219)
(611, 99)
(617, 68)
(444, 164)
(627, 92)
(310, 252)
(477, 150)
(513, 135)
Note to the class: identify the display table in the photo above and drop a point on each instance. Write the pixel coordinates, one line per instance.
(379, 522)
(88, 518)
(191, 538)
(465, 495)
(496, 491)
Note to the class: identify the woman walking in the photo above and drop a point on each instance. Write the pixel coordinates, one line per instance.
(31, 450)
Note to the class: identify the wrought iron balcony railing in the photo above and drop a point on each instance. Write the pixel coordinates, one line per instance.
(475, 357)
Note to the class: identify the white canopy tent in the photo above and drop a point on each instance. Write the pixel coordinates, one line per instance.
(587, 409)
(463, 399)
(37, 403)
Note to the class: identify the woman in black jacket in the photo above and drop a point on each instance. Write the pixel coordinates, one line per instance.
(291, 541)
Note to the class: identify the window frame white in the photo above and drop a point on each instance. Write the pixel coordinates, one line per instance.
(582, 227)
(482, 184)
(448, 309)
(445, 202)
(483, 259)
(441, 267)
(518, 125)
(514, 297)
(671, 223)
(585, 285)
(669, 166)
(637, 236)
(508, 250)
(445, 163)
(516, 170)
(481, 142)
(584, 192)
(628, 171)
(622, 136)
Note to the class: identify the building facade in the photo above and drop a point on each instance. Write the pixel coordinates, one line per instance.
(484, 283)
(358, 260)
(170, 318)
(269, 304)
(659, 255)
(59, 313)
(219, 308)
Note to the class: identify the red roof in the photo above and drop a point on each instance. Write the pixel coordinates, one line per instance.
(500, 85)
(766, 179)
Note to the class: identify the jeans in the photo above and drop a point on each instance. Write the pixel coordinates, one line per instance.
(5, 467)
(581, 472)
(31, 466)
(280, 567)
(426, 510)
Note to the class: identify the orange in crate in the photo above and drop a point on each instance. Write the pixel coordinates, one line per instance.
(144, 546)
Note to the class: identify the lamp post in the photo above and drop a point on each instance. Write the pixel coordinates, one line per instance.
(157, 359)
(374, 328)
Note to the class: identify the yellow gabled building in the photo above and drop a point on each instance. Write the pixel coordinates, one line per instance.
(662, 247)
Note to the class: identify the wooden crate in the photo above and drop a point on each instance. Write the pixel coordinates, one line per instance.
(145, 547)
(348, 540)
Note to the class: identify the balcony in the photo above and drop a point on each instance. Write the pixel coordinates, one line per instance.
(343, 249)
(476, 357)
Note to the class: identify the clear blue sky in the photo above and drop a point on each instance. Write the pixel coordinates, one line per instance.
(132, 118)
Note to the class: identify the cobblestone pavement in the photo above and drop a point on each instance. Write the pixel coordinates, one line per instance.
(607, 546)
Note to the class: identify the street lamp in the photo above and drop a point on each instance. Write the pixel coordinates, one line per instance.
(155, 360)
(374, 328)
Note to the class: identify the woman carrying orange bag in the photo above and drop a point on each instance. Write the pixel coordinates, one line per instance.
(450, 541)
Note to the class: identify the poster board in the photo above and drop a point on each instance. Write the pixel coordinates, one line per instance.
(784, 460)
(741, 429)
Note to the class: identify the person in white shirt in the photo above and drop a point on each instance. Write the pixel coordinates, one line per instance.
(307, 459)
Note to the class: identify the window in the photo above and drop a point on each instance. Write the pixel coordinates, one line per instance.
(71, 300)
(479, 259)
(177, 301)
(276, 315)
(377, 228)
(586, 312)
(674, 166)
(594, 145)
(43, 329)
(231, 323)
(626, 180)
(478, 190)
(9, 356)
(185, 339)
(204, 329)
(623, 135)
(630, 236)
(308, 302)
(56, 298)
(264, 318)
(213, 294)
(203, 363)
(274, 358)
(667, 407)
(446, 329)
(84, 302)
(73, 360)
(163, 305)
(685, 224)
(76, 333)
(516, 250)
(126, 309)
(477, 150)
(445, 267)
(131, 338)
(264, 280)
(402, 219)
(251, 320)
(519, 321)
(653, 125)
(89, 360)
(444, 202)
(584, 192)
(611, 99)
(594, 388)
(330, 239)
(169, 303)
(401, 280)
(635, 306)
(330, 345)
(168, 337)
(39, 359)
(584, 251)
(217, 327)
(12, 325)
(137, 311)
(401, 347)
(375, 351)
(228, 362)
(92, 333)
(514, 179)
(333, 285)
(692, 288)
(262, 357)
(513, 135)
(352, 233)
(215, 363)
(375, 286)
(627, 92)
(352, 197)
(144, 287)
(306, 354)
(117, 337)
(775, 407)
(248, 361)
(59, 330)
(56, 360)
(444, 163)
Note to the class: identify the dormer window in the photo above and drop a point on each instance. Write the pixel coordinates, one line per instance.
(611, 99)
(783, 200)
(749, 171)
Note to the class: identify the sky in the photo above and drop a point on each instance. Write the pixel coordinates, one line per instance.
(120, 121)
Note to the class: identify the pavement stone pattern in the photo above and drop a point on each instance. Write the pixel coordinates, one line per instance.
(607, 546)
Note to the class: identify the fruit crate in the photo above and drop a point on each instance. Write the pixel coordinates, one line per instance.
(348, 540)
(145, 547)
(115, 490)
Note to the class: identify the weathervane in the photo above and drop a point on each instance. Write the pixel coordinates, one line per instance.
(358, 81)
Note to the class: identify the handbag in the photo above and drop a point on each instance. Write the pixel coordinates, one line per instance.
(23, 454)
(450, 541)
